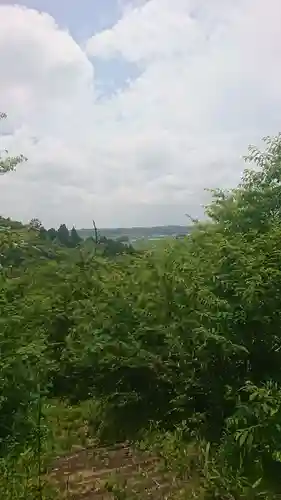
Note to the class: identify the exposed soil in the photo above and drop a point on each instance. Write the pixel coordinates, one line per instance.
(90, 474)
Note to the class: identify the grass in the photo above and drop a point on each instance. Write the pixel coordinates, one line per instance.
(74, 464)
(63, 429)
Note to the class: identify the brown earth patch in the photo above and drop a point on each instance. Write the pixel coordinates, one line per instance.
(117, 472)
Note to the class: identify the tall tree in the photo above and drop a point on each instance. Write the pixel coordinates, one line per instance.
(52, 233)
(74, 237)
(63, 235)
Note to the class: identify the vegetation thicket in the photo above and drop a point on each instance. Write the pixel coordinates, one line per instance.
(178, 347)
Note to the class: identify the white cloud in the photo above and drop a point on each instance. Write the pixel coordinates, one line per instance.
(209, 84)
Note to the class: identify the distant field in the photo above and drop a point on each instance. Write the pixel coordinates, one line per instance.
(138, 233)
(152, 243)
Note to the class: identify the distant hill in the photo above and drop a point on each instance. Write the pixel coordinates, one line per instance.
(129, 233)
(134, 233)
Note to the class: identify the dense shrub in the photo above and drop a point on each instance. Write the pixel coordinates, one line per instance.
(189, 332)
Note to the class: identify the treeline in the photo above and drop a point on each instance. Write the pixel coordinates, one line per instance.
(26, 245)
(62, 235)
(71, 239)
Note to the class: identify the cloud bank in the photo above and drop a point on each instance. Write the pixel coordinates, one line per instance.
(205, 82)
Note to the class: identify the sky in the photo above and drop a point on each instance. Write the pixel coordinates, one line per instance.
(128, 109)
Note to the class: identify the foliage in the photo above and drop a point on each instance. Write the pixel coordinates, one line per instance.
(187, 332)
(9, 163)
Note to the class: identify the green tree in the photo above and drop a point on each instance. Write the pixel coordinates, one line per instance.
(123, 239)
(35, 224)
(74, 237)
(63, 235)
(256, 203)
(52, 233)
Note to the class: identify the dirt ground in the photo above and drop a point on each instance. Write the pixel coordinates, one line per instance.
(117, 472)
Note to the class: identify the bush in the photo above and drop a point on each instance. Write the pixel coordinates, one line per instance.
(188, 332)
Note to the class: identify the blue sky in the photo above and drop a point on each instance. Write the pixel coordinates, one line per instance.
(82, 18)
(136, 105)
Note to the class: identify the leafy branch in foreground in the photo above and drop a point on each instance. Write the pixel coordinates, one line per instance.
(9, 163)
